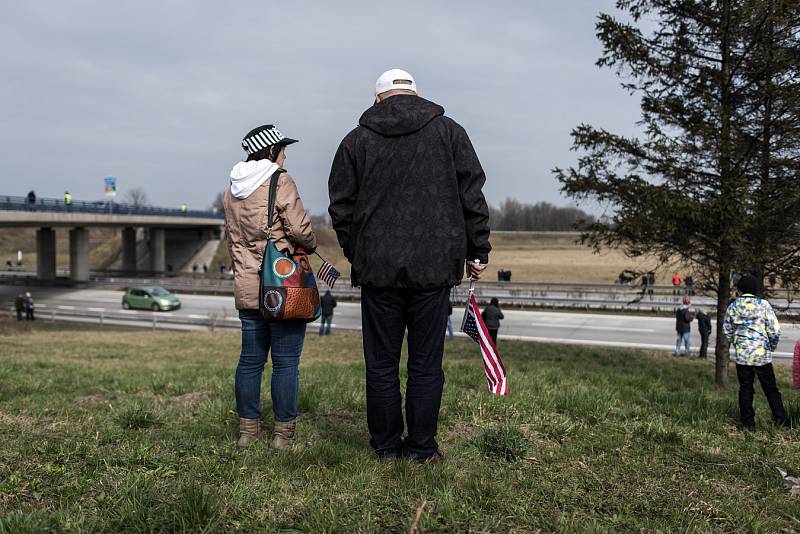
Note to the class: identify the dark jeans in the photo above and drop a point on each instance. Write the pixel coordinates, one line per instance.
(325, 325)
(386, 314)
(29, 314)
(493, 334)
(766, 375)
(285, 339)
(19, 314)
(704, 344)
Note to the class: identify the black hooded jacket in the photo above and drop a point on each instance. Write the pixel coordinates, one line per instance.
(406, 199)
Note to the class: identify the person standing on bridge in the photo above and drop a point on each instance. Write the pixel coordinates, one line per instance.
(32, 199)
(408, 210)
(752, 327)
(184, 208)
(246, 203)
(67, 200)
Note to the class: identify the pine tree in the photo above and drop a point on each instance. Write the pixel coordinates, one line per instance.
(710, 180)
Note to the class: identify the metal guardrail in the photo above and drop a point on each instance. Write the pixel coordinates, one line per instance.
(153, 320)
(14, 203)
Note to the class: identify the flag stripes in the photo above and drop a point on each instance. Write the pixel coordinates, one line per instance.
(474, 327)
(328, 273)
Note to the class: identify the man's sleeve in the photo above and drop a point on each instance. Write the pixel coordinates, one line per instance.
(773, 327)
(727, 326)
(343, 191)
(470, 182)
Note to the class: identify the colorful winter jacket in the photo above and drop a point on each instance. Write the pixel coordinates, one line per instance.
(753, 329)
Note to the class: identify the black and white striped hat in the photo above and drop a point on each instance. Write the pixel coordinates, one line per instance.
(262, 137)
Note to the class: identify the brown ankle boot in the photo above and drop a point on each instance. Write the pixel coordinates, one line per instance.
(249, 432)
(283, 435)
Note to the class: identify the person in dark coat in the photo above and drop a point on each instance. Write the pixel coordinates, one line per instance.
(27, 303)
(19, 306)
(407, 206)
(704, 327)
(328, 303)
(492, 315)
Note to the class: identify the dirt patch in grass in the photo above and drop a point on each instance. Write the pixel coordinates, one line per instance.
(191, 399)
(91, 400)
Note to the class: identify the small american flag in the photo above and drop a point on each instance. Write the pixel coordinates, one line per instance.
(328, 273)
(475, 328)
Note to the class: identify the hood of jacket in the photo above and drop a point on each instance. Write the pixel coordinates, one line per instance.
(400, 115)
(247, 176)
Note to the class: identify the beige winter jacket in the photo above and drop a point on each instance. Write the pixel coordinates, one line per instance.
(246, 226)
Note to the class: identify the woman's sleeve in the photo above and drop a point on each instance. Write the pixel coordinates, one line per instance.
(293, 215)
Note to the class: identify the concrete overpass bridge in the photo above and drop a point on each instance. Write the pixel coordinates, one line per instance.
(152, 237)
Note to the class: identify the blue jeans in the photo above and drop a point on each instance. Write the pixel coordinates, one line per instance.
(450, 327)
(325, 325)
(685, 339)
(286, 341)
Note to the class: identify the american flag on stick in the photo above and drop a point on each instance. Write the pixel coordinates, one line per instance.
(328, 273)
(475, 328)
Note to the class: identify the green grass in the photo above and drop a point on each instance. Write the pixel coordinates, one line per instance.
(133, 431)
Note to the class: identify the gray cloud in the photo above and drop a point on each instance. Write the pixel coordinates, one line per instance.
(160, 93)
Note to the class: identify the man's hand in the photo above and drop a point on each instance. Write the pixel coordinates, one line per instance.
(475, 269)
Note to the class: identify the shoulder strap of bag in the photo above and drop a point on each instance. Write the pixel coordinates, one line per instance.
(273, 188)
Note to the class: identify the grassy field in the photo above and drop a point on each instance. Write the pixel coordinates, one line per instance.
(539, 258)
(131, 430)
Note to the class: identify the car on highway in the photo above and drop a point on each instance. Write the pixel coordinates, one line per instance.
(150, 298)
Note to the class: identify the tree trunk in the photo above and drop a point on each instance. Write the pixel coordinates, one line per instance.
(721, 351)
(727, 195)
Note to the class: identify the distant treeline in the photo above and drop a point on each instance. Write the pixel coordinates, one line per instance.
(513, 215)
(540, 217)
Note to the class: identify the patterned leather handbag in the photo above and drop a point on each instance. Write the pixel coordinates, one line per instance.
(288, 289)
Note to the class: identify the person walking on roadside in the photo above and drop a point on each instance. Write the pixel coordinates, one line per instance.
(752, 327)
(407, 205)
(683, 327)
(651, 283)
(326, 319)
(246, 204)
(28, 305)
(19, 305)
(704, 328)
(492, 315)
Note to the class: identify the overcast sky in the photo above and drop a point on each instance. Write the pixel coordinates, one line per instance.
(160, 94)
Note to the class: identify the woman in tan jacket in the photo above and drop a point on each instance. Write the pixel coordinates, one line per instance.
(246, 203)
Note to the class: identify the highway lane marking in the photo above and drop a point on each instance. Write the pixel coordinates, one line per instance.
(66, 307)
(588, 327)
(133, 312)
(96, 309)
(193, 316)
(616, 344)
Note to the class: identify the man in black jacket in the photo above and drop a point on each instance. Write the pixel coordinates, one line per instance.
(407, 205)
(328, 303)
(704, 327)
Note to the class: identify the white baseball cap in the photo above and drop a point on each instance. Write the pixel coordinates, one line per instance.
(387, 81)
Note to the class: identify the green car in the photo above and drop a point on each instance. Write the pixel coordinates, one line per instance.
(150, 298)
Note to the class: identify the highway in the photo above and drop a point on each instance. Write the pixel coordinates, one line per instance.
(627, 331)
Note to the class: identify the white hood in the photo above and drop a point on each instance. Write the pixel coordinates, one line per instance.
(247, 176)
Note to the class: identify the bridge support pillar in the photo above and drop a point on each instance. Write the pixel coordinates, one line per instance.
(79, 255)
(129, 261)
(158, 261)
(46, 253)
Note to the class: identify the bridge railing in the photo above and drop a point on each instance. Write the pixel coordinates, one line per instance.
(15, 203)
